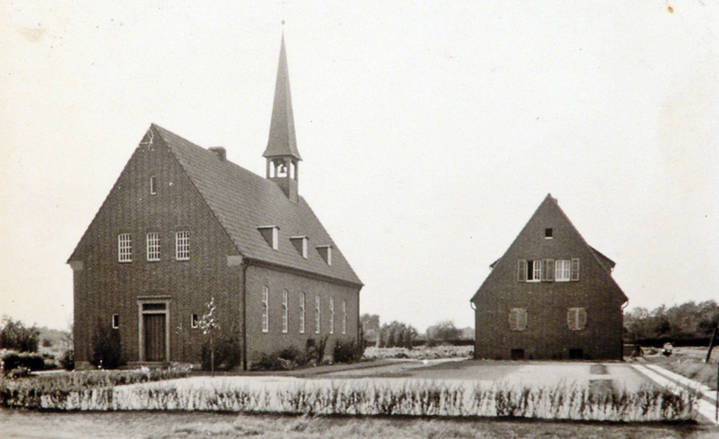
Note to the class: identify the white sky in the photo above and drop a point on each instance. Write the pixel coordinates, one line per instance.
(430, 132)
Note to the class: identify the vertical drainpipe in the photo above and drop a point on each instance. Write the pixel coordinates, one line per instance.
(245, 265)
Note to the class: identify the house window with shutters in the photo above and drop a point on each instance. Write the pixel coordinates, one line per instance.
(576, 319)
(562, 270)
(302, 313)
(124, 247)
(332, 315)
(518, 319)
(317, 314)
(153, 246)
(285, 317)
(265, 309)
(529, 270)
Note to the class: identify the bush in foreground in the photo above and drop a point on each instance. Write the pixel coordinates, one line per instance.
(31, 361)
(347, 352)
(228, 352)
(106, 348)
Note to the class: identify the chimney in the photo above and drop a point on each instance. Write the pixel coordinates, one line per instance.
(220, 151)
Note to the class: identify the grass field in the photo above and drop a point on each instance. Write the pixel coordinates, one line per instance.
(134, 425)
(689, 361)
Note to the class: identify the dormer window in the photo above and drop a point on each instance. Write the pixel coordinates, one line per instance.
(300, 243)
(326, 252)
(271, 235)
(548, 233)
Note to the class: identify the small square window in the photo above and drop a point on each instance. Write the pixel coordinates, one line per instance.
(548, 233)
(115, 321)
(194, 321)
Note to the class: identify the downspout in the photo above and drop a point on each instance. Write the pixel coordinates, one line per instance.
(245, 265)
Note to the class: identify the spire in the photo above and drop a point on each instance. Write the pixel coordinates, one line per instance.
(282, 141)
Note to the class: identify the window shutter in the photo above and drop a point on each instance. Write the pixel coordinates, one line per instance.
(522, 319)
(512, 320)
(575, 269)
(522, 270)
(548, 270)
(581, 318)
(571, 318)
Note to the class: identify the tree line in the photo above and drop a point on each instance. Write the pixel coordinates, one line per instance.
(688, 321)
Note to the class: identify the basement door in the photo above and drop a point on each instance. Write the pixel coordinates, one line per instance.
(154, 325)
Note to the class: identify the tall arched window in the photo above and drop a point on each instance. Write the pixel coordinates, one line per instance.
(285, 324)
(265, 309)
(302, 313)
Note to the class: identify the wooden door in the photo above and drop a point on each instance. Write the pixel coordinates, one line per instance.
(154, 325)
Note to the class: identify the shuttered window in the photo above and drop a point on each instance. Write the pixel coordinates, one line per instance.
(548, 275)
(576, 319)
(518, 319)
(522, 270)
(562, 270)
(575, 269)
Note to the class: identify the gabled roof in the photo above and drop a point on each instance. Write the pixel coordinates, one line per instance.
(242, 201)
(282, 140)
(603, 261)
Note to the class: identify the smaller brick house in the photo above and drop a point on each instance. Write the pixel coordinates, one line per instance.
(550, 296)
(183, 225)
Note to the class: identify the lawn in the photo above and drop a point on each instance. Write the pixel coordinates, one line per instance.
(183, 425)
(689, 361)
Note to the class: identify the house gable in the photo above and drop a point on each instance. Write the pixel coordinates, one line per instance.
(565, 243)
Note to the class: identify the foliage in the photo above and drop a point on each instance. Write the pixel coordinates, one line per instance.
(12, 360)
(44, 391)
(321, 348)
(106, 347)
(19, 372)
(285, 359)
(688, 320)
(348, 351)
(14, 335)
(367, 397)
(443, 331)
(421, 353)
(209, 325)
(397, 334)
(227, 353)
(370, 325)
(67, 361)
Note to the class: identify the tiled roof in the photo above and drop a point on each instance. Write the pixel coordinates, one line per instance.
(242, 201)
(282, 140)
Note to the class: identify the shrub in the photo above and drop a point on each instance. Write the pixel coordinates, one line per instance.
(284, 359)
(321, 346)
(15, 335)
(228, 353)
(106, 348)
(19, 372)
(46, 343)
(13, 360)
(67, 361)
(346, 352)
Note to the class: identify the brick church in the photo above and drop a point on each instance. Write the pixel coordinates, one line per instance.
(182, 225)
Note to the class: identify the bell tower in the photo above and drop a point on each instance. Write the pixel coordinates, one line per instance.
(281, 153)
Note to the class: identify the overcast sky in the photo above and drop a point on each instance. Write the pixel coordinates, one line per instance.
(430, 132)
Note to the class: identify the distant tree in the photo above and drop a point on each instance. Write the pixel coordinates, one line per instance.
(397, 334)
(443, 331)
(14, 335)
(687, 320)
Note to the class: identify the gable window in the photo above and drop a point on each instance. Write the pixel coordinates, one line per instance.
(325, 252)
(153, 185)
(344, 317)
(575, 269)
(534, 270)
(302, 313)
(332, 315)
(124, 247)
(265, 309)
(576, 319)
(548, 233)
(562, 270)
(194, 321)
(518, 319)
(271, 235)
(153, 246)
(182, 245)
(300, 243)
(317, 314)
(115, 321)
(285, 319)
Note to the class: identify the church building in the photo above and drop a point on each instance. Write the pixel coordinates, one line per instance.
(183, 225)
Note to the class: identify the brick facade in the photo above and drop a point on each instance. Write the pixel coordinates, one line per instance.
(547, 334)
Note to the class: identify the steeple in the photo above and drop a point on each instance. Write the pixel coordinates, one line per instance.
(281, 152)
